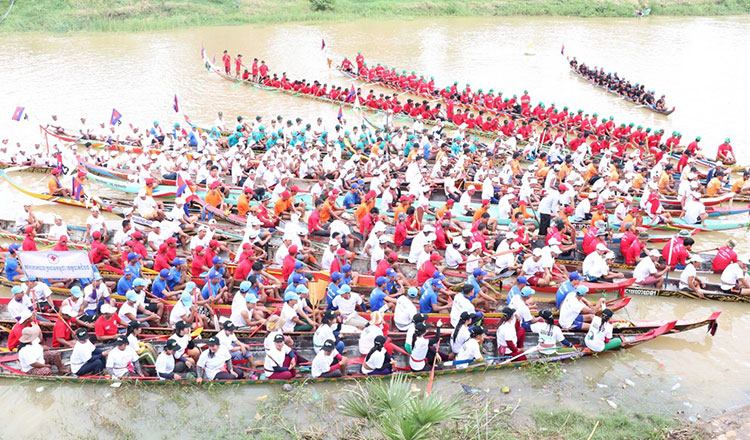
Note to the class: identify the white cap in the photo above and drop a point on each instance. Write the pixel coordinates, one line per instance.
(609, 255)
(142, 193)
(212, 221)
(602, 247)
(553, 242)
(476, 245)
(555, 249)
(654, 253)
(466, 233)
(379, 227)
(428, 228)
(537, 252)
(67, 310)
(106, 308)
(333, 242)
(383, 239)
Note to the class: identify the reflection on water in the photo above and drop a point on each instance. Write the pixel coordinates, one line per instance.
(693, 60)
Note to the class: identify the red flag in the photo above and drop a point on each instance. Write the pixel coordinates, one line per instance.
(176, 106)
(322, 44)
(341, 113)
(115, 118)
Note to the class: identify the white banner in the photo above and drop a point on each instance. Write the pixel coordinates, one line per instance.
(56, 265)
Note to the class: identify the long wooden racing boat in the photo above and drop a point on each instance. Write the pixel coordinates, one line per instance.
(9, 363)
(711, 292)
(630, 100)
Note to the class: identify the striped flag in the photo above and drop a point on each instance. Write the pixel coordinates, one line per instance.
(176, 105)
(341, 113)
(562, 51)
(18, 113)
(322, 44)
(115, 118)
(182, 187)
(77, 189)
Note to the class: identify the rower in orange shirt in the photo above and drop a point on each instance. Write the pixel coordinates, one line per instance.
(599, 214)
(738, 187)
(714, 186)
(54, 186)
(367, 204)
(243, 202)
(283, 207)
(215, 197)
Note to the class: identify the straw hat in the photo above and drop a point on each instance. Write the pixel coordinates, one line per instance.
(272, 322)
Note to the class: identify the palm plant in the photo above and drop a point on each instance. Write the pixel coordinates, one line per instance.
(396, 412)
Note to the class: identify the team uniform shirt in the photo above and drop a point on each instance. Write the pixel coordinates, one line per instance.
(213, 365)
(460, 305)
(594, 265)
(126, 309)
(550, 337)
(376, 361)
(688, 272)
(569, 310)
(597, 334)
(274, 357)
(730, 276)
(239, 305)
(30, 354)
(367, 338)
(288, 313)
(227, 341)
(82, 352)
(322, 362)
(15, 307)
(464, 334)
(178, 311)
(693, 210)
(469, 351)
(521, 308)
(724, 257)
(164, 366)
(119, 360)
(404, 312)
(507, 332)
(643, 269)
(322, 334)
(347, 307)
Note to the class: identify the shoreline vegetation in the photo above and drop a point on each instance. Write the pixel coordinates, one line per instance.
(61, 16)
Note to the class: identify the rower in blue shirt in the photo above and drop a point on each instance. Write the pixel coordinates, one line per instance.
(12, 270)
(428, 303)
(125, 283)
(574, 280)
(160, 288)
(333, 290)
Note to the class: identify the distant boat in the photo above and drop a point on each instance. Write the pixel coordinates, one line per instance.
(529, 52)
(642, 13)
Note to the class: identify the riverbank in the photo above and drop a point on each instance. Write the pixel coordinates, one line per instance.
(59, 16)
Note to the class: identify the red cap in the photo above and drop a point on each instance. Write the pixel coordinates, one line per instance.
(247, 246)
(293, 249)
(523, 202)
(403, 198)
(29, 229)
(471, 189)
(137, 234)
(435, 257)
(199, 249)
(95, 234)
(485, 201)
(55, 171)
(63, 238)
(393, 256)
(450, 202)
(569, 209)
(163, 247)
(370, 195)
(81, 174)
(341, 252)
(634, 209)
(149, 181)
(599, 206)
(286, 194)
(171, 240)
(294, 188)
(214, 185)
(334, 191)
(249, 190)
(213, 243)
(563, 187)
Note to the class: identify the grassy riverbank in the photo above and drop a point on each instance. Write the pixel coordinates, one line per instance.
(138, 15)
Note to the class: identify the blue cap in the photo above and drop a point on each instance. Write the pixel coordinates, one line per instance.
(575, 276)
(252, 299)
(18, 289)
(14, 247)
(355, 186)
(164, 273)
(23, 279)
(437, 285)
(381, 280)
(290, 296)
(412, 292)
(127, 271)
(218, 260)
(347, 268)
(438, 276)
(133, 256)
(299, 279)
(178, 261)
(245, 286)
(582, 290)
(302, 290)
(31, 279)
(75, 291)
(344, 289)
(138, 282)
(97, 276)
(187, 298)
(130, 295)
(335, 276)
(189, 286)
(527, 291)
(522, 280)
(478, 272)
(215, 275)
(298, 265)
(390, 272)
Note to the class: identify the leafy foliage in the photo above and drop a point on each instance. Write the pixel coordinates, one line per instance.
(322, 5)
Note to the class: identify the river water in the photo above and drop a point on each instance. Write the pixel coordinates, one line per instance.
(694, 61)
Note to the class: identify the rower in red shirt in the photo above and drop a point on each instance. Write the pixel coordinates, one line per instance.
(238, 64)
(263, 69)
(28, 242)
(674, 251)
(385, 264)
(634, 249)
(227, 62)
(428, 268)
(287, 267)
(726, 153)
(724, 257)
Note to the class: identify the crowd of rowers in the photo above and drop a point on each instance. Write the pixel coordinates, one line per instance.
(633, 92)
(541, 204)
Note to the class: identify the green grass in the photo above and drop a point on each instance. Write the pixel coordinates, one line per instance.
(60, 16)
